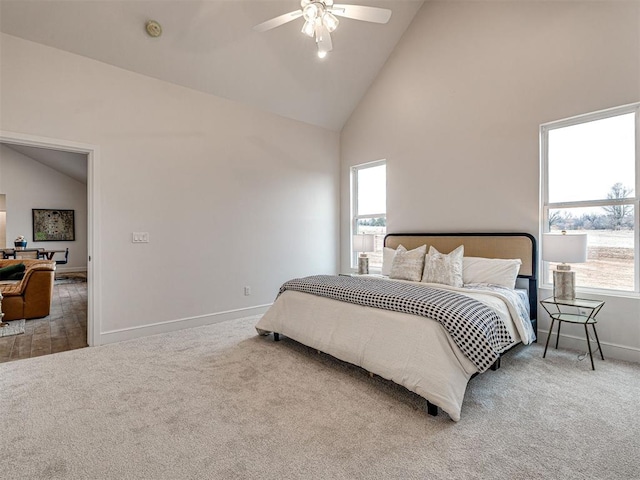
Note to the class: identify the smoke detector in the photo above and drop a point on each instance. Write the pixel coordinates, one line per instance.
(153, 28)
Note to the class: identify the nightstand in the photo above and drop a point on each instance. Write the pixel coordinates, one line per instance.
(579, 310)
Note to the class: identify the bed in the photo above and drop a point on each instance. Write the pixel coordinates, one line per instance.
(424, 349)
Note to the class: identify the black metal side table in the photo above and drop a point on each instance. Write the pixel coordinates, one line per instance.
(578, 315)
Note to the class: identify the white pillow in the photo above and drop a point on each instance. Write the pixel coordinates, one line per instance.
(388, 255)
(498, 271)
(407, 265)
(443, 268)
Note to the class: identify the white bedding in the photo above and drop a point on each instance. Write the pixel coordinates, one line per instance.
(413, 351)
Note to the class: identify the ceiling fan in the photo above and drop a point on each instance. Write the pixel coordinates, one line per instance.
(320, 20)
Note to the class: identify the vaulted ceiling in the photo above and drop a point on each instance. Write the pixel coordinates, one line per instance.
(210, 46)
(71, 164)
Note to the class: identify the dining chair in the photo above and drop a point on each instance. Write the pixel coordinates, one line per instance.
(66, 258)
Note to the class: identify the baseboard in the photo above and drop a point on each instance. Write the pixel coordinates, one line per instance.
(120, 335)
(60, 269)
(609, 350)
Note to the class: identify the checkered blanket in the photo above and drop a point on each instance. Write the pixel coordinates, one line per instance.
(475, 328)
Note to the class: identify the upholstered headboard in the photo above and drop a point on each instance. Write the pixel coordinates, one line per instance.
(488, 245)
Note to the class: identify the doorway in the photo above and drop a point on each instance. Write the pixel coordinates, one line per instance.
(70, 273)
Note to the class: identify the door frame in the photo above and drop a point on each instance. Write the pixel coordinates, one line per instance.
(93, 217)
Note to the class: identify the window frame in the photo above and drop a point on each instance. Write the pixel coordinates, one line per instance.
(545, 205)
(354, 204)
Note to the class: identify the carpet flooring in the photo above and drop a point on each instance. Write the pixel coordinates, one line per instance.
(219, 402)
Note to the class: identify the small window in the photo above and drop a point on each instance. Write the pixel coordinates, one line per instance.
(369, 206)
(590, 168)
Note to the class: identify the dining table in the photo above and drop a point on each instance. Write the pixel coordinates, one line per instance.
(44, 253)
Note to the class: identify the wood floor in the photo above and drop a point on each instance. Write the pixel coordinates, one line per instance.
(64, 329)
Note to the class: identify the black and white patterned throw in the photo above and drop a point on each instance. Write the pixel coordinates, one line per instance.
(475, 328)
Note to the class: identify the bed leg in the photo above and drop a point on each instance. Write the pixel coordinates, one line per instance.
(432, 409)
(276, 337)
(496, 364)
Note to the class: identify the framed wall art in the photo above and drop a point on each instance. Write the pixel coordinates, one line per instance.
(53, 225)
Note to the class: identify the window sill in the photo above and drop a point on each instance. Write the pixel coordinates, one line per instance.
(598, 292)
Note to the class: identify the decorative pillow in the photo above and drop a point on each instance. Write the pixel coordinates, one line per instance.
(388, 254)
(16, 276)
(10, 270)
(407, 265)
(498, 271)
(443, 268)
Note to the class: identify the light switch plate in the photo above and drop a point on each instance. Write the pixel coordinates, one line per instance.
(140, 237)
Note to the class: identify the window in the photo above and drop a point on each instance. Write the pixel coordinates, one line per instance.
(369, 207)
(590, 184)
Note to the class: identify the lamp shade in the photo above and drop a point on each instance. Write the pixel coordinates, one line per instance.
(564, 248)
(363, 242)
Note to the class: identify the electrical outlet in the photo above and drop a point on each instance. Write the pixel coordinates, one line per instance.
(247, 291)
(140, 237)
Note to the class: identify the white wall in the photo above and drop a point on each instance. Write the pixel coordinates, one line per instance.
(3, 218)
(29, 184)
(457, 108)
(230, 196)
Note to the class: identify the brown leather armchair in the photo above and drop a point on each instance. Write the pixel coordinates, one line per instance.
(31, 296)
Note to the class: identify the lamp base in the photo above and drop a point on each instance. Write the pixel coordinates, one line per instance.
(564, 284)
(363, 265)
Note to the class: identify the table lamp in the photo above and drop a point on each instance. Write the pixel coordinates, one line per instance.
(363, 243)
(564, 248)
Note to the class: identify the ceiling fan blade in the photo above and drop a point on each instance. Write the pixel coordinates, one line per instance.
(276, 22)
(359, 12)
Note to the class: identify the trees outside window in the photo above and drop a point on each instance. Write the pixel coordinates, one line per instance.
(619, 216)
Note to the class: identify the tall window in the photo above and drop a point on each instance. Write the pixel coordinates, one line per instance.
(369, 207)
(590, 184)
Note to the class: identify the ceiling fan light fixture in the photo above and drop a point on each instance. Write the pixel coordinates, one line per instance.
(311, 12)
(320, 20)
(308, 28)
(323, 40)
(321, 33)
(330, 21)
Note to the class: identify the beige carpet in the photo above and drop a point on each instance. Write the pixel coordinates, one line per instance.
(218, 402)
